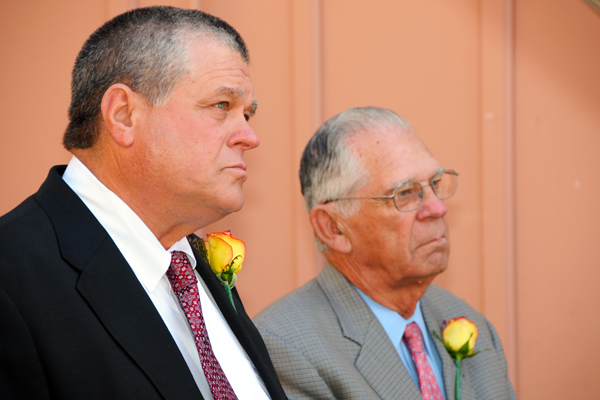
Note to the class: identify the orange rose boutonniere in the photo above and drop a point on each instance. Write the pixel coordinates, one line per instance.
(459, 337)
(225, 255)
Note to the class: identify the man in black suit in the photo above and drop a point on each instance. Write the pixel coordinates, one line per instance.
(158, 129)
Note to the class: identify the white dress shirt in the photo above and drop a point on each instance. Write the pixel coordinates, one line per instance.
(150, 261)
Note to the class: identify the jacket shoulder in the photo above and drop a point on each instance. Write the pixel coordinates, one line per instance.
(23, 226)
(305, 303)
(27, 216)
(21, 211)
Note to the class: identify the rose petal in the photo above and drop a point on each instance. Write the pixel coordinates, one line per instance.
(458, 332)
(238, 248)
(220, 253)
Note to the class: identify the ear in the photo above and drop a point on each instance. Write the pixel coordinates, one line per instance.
(329, 229)
(118, 105)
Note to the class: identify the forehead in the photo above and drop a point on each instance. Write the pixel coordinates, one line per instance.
(207, 59)
(390, 157)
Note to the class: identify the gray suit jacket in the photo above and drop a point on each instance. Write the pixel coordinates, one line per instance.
(326, 343)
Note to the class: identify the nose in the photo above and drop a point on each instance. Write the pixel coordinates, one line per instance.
(244, 136)
(432, 206)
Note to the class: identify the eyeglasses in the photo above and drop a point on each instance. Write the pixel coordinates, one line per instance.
(409, 196)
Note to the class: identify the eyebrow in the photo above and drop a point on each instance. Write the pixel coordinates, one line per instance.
(253, 107)
(239, 93)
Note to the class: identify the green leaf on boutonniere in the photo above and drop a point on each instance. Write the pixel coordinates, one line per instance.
(198, 244)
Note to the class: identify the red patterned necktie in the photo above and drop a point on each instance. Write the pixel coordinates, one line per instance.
(430, 390)
(184, 283)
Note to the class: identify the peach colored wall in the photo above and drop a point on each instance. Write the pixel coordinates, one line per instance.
(38, 45)
(557, 149)
(505, 91)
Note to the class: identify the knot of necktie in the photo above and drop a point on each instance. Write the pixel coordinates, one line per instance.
(413, 338)
(180, 272)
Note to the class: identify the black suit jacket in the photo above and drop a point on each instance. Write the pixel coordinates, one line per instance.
(75, 323)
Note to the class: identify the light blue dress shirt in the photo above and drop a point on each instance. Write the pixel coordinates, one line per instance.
(394, 325)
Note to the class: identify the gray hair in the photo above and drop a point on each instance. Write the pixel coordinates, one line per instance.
(329, 169)
(145, 49)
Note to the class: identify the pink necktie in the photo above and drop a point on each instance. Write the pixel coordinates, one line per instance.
(430, 389)
(184, 283)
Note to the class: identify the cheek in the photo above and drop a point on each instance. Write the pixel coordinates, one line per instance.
(406, 235)
(206, 142)
(396, 237)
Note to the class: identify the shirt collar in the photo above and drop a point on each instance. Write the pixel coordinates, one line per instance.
(393, 323)
(141, 249)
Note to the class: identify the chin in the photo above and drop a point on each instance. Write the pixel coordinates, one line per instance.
(438, 263)
(232, 205)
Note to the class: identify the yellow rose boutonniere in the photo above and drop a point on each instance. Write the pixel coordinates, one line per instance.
(459, 337)
(225, 255)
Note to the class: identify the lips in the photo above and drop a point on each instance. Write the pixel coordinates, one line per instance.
(238, 171)
(439, 240)
(241, 166)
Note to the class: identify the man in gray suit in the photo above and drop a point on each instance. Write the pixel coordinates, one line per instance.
(375, 198)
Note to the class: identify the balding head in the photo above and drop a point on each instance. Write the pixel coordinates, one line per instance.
(328, 168)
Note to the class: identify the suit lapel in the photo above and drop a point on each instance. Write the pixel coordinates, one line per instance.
(381, 366)
(242, 327)
(119, 301)
(113, 292)
(377, 360)
(218, 293)
(434, 319)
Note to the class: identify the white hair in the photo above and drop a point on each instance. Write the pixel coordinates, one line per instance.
(329, 169)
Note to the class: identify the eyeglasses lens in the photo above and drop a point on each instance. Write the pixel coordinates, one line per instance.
(444, 185)
(409, 196)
